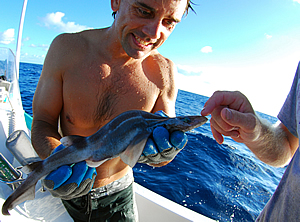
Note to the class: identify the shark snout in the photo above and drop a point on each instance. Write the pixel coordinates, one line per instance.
(185, 123)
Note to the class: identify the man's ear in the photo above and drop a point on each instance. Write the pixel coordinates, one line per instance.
(115, 4)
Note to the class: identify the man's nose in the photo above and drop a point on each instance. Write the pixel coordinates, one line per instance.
(153, 29)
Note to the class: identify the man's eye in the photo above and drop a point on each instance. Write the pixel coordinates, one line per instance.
(143, 12)
(170, 24)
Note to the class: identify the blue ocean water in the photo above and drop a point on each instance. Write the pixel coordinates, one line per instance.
(224, 182)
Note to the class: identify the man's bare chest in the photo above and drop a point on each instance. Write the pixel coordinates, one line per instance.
(92, 98)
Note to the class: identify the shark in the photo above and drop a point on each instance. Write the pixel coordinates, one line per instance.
(124, 136)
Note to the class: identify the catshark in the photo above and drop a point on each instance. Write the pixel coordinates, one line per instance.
(124, 136)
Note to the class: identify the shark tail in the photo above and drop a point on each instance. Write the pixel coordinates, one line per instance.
(26, 191)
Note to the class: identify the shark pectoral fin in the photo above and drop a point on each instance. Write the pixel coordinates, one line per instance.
(95, 164)
(133, 152)
(69, 140)
(16, 198)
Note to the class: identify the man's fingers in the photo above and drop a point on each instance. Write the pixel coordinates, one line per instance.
(245, 121)
(59, 176)
(178, 139)
(234, 100)
(150, 148)
(218, 121)
(218, 132)
(218, 136)
(219, 98)
(161, 137)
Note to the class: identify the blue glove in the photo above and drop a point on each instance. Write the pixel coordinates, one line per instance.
(163, 146)
(68, 182)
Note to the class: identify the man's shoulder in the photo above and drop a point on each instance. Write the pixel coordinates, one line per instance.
(161, 62)
(162, 68)
(70, 47)
(70, 41)
(159, 57)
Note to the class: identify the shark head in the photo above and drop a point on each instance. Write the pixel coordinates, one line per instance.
(184, 123)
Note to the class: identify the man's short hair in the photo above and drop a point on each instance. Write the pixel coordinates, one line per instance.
(186, 12)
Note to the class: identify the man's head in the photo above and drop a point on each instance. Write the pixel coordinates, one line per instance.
(143, 25)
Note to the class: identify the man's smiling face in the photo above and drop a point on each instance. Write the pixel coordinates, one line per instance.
(144, 25)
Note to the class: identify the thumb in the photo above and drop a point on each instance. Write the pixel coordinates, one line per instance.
(245, 121)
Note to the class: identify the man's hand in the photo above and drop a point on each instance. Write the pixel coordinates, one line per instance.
(162, 147)
(232, 115)
(68, 182)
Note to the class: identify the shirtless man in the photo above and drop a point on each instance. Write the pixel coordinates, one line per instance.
(90, 77)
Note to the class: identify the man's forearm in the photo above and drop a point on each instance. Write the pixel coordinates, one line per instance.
(271, 146)
(44, 138)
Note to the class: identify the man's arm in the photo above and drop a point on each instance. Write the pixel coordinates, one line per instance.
(275, 145)
(47, 102)
(232, 115)
(167, 98)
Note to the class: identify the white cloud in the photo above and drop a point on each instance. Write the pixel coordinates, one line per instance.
(269, 36)
(26, 39)
(32, 58)
(44, 47)
(206, 49)
(7, 36)
(188, 70)
(54, 20)
(297, 1)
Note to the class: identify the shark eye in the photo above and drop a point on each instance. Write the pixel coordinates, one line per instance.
(186, 120)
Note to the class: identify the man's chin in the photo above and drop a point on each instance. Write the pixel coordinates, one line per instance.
(139, 54)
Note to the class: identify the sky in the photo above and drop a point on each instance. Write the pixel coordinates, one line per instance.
(250, 46)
